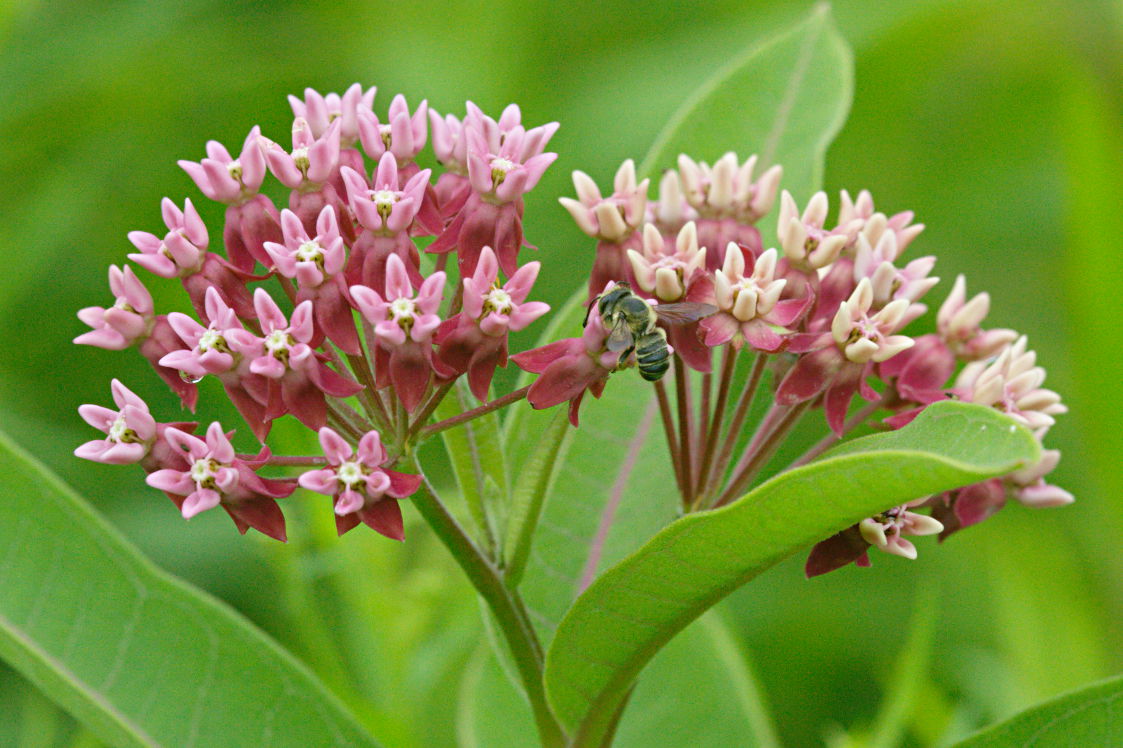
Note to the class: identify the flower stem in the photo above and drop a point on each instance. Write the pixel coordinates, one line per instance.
(510, 613)
(685, 427)
(761, 448)
(431, 404)
(290, 459)
(713, 430)
(669, 430)
(740, 412)
(832, 438)
(468, 415)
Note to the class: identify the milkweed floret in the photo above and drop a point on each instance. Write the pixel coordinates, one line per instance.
(363, 489)
(210, 474)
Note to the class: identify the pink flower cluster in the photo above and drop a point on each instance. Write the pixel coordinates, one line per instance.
(325, 309)
(828, 309)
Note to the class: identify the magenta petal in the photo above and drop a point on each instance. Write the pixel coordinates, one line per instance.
(199, 501)
(564, 380)
(384, 517)
(402, 484)
(410, 373)
(335, 447)
(538, 359)
(321, 481)
(810, 376)
(345, 522)
(762, 337)
(836, 402)
(261, 514)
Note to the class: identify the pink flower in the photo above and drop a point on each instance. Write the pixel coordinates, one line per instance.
(475, 340)
(386, 211)
(609, 219)
(876, 224)
(885, 531)
(404, 134)
(671, 211)
(298, 378)
(569, 368)
(749, 306)
(214, 350)
(317, 264)
(312, 161)
(889, 282)
(250, 218)
(320, 111)
(1012, 384)
(215, 476)
(404, 326)
(665, 271)
(838, 363)
(728, 202)
(806, 243)
(183, 248)
(182, 253)
(129, 319)
(225, 179)
(727, 189)
(958, 324)
(363, 489)
(505, 161)
(130, 431)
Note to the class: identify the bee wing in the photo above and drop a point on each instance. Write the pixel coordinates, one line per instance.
(620, 336)
(684, 312)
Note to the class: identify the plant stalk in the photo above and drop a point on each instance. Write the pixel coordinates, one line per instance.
(510, 613)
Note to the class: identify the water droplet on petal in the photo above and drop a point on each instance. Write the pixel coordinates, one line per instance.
(190, 378)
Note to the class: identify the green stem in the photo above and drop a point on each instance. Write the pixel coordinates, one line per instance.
(669, 432)
(301, 460)
(685, 427)
(713, 432)
(468, 415)
(435, 398)
(832, 438)
(510, 613)
(759, 451)
(740, 412)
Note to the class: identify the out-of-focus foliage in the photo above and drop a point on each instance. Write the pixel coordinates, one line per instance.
(997, 121)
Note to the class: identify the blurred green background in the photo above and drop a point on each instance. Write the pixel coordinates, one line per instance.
(999, 122)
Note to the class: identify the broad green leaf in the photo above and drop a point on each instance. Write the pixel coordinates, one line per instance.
(138, 656)
(784, 100)
(535, 479)
(632, 610)
(700, 691)
(1092, 716)
(476, 453)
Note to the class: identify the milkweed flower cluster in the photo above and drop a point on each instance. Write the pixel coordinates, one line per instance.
(828, 311)
(323, 308)
(343, 310)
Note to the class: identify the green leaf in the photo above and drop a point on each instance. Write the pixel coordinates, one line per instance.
(632, 610)
(475, 450)
(535, 478)
(138, 656)
(701, 692)
(784, 100)
(1090, 716)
